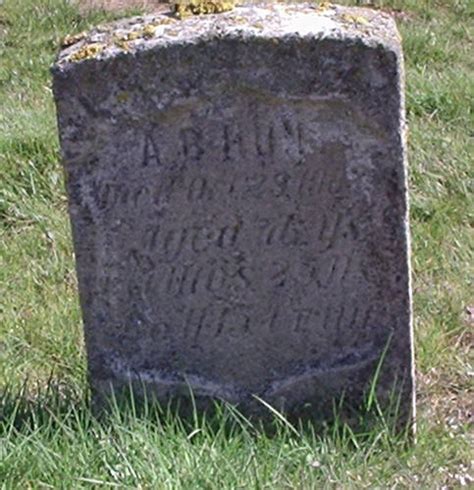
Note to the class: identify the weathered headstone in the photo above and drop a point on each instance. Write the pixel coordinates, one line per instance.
(237, 190)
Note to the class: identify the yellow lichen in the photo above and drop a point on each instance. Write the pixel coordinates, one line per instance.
(186, 8)
(149, 31)
(121, 42)
(88, 51)
(69, 40)
(122, 97)
(322, 6)
(356, 19)
(132, 36)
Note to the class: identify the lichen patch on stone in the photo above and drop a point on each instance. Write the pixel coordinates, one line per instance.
(88, 51)
(183, 9)
(356, 19)
(71, 39)
(185, 24)
(323, 6)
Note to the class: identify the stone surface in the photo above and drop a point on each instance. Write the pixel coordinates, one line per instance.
(237, 190)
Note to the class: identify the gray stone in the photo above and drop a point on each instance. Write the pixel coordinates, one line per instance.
(237, 191)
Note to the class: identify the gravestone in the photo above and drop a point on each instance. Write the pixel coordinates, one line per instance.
(237, 193)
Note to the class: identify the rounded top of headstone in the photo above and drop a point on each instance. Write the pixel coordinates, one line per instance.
(274, 21)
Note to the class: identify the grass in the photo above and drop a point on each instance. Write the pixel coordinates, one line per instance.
(49, 439)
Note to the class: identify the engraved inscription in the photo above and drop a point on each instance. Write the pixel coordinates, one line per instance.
(270, 248)
(151, 155)
(172, 242)
(243, 228)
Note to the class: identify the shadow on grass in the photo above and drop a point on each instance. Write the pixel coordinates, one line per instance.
(58, 407)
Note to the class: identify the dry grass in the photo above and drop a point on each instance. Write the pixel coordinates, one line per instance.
(122, 5)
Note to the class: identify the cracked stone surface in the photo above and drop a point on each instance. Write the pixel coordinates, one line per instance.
(237, 193)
